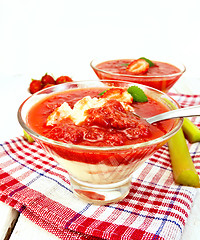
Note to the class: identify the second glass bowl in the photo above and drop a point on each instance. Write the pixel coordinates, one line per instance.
(162, 82)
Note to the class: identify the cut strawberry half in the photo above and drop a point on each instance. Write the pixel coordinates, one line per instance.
(138, 66)
(118, 94)
(113, 93)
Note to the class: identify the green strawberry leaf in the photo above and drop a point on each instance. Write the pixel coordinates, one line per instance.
(151, 64)
(102, 93)
(124, 64)
(137, 94)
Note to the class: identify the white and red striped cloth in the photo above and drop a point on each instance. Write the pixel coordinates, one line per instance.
(39, 188)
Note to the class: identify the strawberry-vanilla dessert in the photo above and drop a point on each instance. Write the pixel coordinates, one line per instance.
(98, 126)
(157, 74)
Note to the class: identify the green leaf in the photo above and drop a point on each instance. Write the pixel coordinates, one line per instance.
(137, 94)
(102, 93)
(125, 64)
(151, 64)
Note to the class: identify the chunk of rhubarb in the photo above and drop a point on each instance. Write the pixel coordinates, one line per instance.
(28, 137)
(183, 168)
(191, 131)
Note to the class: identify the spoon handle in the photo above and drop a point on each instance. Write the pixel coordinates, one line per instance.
(182, 112)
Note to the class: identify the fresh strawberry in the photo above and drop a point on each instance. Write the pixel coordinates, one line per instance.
(138, 66)
(48, 85)
(47, 79)
(35, 86)
(63, 79)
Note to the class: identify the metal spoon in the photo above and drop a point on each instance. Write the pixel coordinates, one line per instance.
(177, 113)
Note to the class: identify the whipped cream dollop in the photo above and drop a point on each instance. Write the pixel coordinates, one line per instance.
(79, 112)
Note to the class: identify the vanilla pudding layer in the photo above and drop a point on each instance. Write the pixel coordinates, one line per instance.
(98, 173)
(113, 168)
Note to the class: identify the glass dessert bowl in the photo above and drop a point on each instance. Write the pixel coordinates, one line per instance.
(99, 153)
(161, 75)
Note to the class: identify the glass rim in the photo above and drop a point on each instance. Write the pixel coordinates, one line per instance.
(97, 148)
(136, 76)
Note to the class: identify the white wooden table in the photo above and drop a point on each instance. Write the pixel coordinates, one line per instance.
(15, 226)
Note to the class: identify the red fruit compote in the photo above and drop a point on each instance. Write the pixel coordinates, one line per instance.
(91, 130)
(161, 75)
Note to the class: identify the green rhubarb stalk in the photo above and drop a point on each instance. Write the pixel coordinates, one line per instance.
(183, 168)
(28, 137)
(191, 131)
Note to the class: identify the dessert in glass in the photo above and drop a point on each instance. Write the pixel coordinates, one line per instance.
(161, 75)
(91, 129)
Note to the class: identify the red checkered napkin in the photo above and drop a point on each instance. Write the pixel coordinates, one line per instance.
(39, 188)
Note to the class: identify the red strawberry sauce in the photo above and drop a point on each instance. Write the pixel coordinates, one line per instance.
(161, 76)
(120, 66)
(109, 125)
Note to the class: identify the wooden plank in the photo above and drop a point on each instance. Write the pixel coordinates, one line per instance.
(25, 229)
(8, 219)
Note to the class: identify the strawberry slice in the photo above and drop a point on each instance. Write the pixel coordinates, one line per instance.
(118, 94)
(138, 66)
(112, 93)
